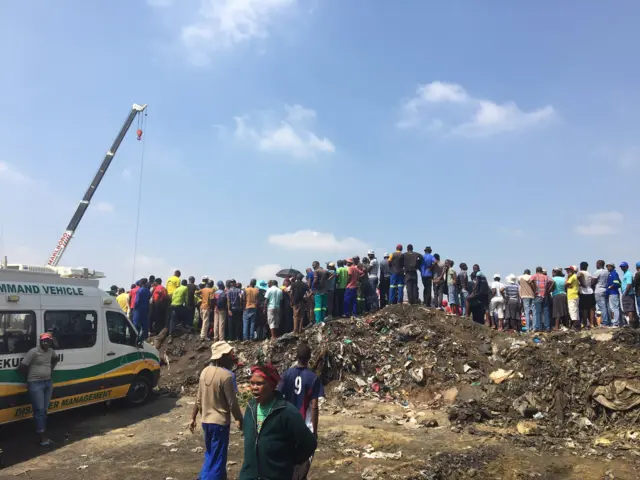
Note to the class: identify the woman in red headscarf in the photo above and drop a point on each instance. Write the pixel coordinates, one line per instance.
(276, 438)
(37, 366)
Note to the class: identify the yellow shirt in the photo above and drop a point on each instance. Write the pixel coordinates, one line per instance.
(123, 301)
(172, 284)
(179, 297)
(573, 287)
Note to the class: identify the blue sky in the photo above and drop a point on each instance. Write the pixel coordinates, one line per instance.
(498, 133)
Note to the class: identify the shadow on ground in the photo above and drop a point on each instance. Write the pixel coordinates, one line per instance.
(19, 443)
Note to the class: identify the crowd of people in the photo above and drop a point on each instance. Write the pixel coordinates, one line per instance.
(224, 310)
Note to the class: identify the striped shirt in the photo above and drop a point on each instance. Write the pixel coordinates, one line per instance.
(512, 292)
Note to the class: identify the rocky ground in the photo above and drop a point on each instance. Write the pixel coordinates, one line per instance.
(411, 394)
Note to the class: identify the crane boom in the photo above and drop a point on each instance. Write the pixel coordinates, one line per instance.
(63, 243)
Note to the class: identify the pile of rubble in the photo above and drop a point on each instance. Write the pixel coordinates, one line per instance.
(583, 382)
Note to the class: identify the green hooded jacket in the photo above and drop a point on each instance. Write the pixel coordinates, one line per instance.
(283, 442)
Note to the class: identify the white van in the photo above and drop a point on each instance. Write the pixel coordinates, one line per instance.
(100, 359)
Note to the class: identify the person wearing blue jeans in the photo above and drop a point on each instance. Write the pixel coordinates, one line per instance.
(249, 323)
(350, 304)
(396, 289)
(541, 305)
(528, 305)
(38, 366)
(603, 308)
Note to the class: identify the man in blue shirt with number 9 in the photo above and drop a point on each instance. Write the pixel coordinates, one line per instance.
(301, 387)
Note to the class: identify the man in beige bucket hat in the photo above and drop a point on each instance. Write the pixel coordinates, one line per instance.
(216, 400)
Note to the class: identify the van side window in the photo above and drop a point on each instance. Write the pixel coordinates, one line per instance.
(17, 332)
(72, 328)
(120, 330)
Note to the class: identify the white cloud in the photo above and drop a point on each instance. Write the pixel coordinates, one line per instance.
(311, 240)
(601, 224)
(104, 207)
(266, 272)
(511, 232)
(221, 24)
(450, 108)
(291, 137)
(9, 174)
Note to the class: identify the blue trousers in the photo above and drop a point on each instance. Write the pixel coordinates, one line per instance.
(40, 394)
(396, 289)
(249, 323)
(350, 304)
(216, 441)
(141, 322)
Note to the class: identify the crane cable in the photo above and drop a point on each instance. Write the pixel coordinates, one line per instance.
(142, 121)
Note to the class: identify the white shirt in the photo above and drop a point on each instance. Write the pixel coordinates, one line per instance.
(373, 272)
(585, 279)
(498, 287)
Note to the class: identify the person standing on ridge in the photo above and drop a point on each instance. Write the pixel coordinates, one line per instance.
(396, 289)
(351, 292)
(341, 284)
(173, 282)
(411, 261)
(599, 284)
(385, 281)
(373, 279)
(141, 310)
(613, 291)
(206, 295)
(628, 295)
(320, 286)
(426, 272)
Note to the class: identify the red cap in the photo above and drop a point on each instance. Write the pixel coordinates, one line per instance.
(46, 336)
(399, 246)
(571, 267)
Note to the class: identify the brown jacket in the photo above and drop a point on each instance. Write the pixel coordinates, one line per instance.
(216, 397)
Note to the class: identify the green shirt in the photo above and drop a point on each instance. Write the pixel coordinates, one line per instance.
(264, 411)
(343, 275)
(179, 297)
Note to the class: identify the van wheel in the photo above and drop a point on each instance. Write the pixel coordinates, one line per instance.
(139, 391)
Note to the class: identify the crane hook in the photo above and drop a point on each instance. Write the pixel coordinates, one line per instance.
(139, 133)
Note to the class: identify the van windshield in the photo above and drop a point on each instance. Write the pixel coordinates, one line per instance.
(17, 332)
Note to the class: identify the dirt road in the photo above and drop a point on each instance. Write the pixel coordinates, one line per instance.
(153, 442)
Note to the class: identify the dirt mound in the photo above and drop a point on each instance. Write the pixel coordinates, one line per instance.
(567, 382)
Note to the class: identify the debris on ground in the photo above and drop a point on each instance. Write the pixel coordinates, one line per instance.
(569, 384)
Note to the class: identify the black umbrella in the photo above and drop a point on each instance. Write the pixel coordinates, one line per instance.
(287, 273)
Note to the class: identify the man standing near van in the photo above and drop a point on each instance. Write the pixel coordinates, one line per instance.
(37, 366)
(141, 310)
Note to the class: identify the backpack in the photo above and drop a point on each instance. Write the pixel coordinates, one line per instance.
(222, 301)
(236, 304)
(321, 282)
(410, 262)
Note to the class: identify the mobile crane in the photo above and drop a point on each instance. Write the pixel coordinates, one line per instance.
(63, 243)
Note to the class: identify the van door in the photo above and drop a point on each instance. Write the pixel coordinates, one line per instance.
(18, 335)
(78, 342)
(122, 354)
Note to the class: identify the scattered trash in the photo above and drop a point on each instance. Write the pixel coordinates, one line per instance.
(197, 450)
(602, 442)
(168, 444)
(382, 455)
(527, 427)
(82, 467)
(173, 450)
(500, 375)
